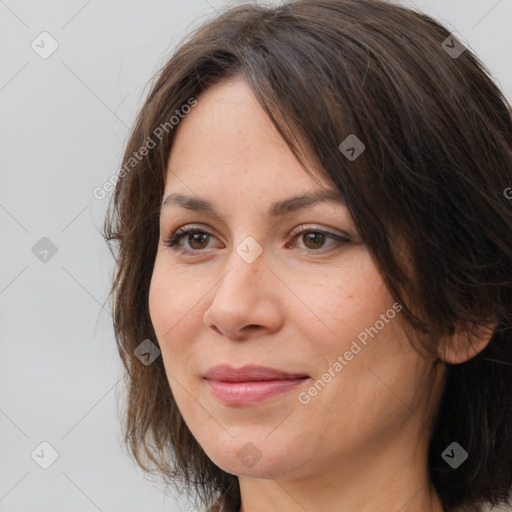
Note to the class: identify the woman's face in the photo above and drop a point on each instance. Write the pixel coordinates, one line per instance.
(253, 290)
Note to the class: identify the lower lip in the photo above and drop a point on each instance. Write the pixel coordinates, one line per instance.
(241, 393)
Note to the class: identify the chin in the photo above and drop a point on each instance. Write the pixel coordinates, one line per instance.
(242, 457)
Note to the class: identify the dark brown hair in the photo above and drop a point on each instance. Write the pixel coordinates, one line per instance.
(438, 156)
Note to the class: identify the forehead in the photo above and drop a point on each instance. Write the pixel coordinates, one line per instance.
(228, 141)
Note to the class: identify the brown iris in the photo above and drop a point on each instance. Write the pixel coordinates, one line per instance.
(316, 238)
(197, 237)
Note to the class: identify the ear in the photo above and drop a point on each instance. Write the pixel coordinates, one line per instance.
(464, 344)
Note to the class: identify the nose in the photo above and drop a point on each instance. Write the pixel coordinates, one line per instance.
(245, 303)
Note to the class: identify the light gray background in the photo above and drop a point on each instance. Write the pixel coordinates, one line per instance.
(64, 121)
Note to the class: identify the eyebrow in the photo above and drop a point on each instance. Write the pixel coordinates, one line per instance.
(277, 209)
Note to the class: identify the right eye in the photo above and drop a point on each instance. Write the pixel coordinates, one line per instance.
(194, 236)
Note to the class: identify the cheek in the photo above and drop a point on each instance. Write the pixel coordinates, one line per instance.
(160, 300)
(174, 311)
(350, 300)
(364, 330)
(174, 319)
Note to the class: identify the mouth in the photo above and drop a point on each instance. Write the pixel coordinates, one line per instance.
(226, 373)
(250, 384)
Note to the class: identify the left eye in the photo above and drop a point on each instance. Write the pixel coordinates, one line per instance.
(314, 239)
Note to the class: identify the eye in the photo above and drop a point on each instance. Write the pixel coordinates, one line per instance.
(315, 238)
(197, 239)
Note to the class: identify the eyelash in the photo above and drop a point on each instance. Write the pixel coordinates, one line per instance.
(175, 237)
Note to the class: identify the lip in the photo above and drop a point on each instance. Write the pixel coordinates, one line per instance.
(250, 384)
(226, 373)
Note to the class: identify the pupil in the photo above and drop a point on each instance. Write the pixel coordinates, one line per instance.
(316, 238)
(196, 238)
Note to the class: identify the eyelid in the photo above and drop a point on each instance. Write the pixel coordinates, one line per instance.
(313, 227)
(298, 230)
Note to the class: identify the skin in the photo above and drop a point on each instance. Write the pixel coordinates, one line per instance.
(361, 442)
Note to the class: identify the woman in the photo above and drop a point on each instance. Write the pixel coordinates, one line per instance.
(313, 298)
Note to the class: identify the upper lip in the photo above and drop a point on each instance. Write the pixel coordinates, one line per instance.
(227, 373)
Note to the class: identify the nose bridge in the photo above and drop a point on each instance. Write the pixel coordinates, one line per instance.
(244, 265)
(241, 298)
